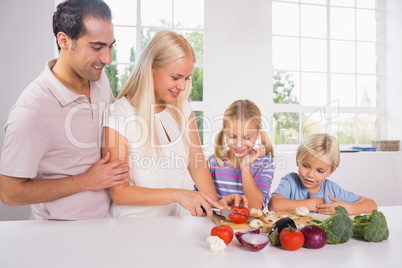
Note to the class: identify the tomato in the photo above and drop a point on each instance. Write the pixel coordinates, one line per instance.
(239, 218)
(224, 232)
(291, 238)
(242, 210)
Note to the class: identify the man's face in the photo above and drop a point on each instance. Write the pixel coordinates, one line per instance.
(91, 52)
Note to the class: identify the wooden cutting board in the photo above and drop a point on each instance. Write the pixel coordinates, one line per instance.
(301, 220)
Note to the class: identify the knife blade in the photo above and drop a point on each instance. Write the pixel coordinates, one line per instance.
(225, 213)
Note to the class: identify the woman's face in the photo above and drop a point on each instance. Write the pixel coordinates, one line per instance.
(171, 79)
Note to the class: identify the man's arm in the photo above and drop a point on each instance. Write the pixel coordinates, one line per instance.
(24, 191)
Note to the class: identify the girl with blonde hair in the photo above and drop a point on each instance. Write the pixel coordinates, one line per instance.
(237, 166)
(151, 126)
(317, 158)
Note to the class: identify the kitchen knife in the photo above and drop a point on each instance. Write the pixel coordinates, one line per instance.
(225, 213)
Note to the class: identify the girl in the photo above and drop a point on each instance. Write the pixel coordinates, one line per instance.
(151, 125)
(236, 167)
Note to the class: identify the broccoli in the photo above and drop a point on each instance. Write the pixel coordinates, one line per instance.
(338, 227)
(372, 227)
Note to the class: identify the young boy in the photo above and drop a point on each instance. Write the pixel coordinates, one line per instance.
(317, 158)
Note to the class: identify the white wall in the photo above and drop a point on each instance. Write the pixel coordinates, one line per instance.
(26, 44)
(237, 65)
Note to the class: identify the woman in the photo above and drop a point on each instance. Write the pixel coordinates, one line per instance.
(152, 125)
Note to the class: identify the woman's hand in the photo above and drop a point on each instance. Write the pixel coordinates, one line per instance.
(194, 201)
(232, 200)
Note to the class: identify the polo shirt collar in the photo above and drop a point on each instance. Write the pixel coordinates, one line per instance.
(64, 95)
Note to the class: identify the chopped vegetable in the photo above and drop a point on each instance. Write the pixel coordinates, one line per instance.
(372, 227)
(239, 234)
(338, 227)
(256, 213)
(216, 244)
(256, 224)
(254, 242)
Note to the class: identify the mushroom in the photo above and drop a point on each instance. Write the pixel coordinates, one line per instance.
(302, 211)
(256, 213)
(255, 224)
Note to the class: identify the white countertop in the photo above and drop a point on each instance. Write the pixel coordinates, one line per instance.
(173, 242)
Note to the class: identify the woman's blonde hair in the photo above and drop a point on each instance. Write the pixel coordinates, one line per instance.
(321, 146)
(241, 110)
(165, 47)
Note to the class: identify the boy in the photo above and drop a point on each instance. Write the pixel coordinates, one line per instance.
(317, 158)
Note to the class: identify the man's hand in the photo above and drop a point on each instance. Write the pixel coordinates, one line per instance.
(103, 175)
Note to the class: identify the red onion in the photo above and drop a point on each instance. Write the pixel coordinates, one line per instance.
(314, 237)
(254, 242)
(239, 234)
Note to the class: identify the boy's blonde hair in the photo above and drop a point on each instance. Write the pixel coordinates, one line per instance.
(241, 110)
(321, 146)
(165, 47)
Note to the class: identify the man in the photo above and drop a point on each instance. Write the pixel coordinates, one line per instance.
(51, 154)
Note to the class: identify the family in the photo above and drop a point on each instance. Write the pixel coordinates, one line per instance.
(73, 152)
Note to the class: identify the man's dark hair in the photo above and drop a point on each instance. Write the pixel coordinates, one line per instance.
(70, 15)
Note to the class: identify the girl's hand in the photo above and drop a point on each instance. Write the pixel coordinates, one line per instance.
(232, 200)
(194, 201)
(329, 208)
(253, 156)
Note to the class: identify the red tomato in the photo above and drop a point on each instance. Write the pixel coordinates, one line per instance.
(242, 210)
(239, 218)
(291, 238)
(235, 218)
(224, 232)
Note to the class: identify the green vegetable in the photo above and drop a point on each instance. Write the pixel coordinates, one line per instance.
(338, 227)
(372, 227)
(274, 238)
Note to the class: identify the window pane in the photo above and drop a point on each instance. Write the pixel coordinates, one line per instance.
(369, 128)
(313, 55)
(118, 75)
(314, 123)
(197, 84)
(366, 58)
(156, 13)
(286, 127)
(146, 36)
(189, 14)
(314, 89)
(313, 21)
(342, 3)
(124, 12)
(365, 3)
(366, 25)
(286, 89)
(342, 23)
(319, 2)
(343, 88)
(342, 57)
(286, 53)
(199, 119)
(285, 18)
(344, 129)
(367, 91)
(196, 40)
(125, 44)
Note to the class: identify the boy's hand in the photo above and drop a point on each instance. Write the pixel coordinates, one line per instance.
(315, 202)
(329, 208)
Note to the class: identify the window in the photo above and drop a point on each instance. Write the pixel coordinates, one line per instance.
(327, 70)
(135, 23)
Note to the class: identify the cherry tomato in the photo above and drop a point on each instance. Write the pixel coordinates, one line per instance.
(224, 232)
(239, 218)
(291, 238)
